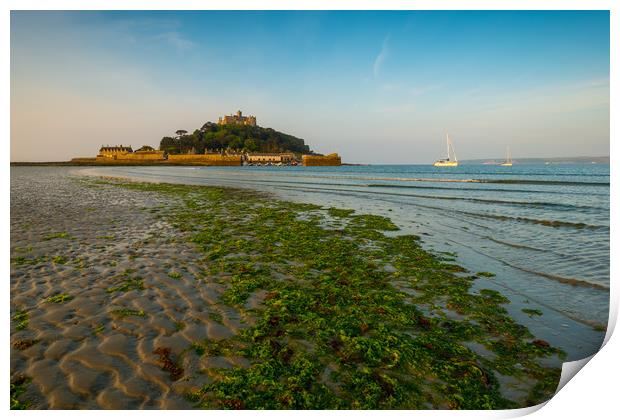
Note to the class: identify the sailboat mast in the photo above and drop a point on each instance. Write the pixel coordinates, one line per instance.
(449, 161)
(450, 147)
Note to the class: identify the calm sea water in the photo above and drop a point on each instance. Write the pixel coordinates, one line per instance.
(543, 229)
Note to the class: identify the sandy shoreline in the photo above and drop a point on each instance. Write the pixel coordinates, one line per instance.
(113, 307)
(81, 354)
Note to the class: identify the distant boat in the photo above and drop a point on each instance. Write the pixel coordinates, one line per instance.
(508, 161)
(448, 161)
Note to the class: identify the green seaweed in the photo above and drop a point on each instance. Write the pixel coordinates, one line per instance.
(532, 312)
(18, 387)
(217, 317)
(175, 275)
(59, 259)
(107, 237)
(79, 262)
(215, 348)
(21, 319)
(334, 330)
(125, 312)
(127, 283)
(332, 211)
(56, 235)
(23, 248)
(59, 298)
(246, 280)
(485, 274)
(371, 222)
(21, 261)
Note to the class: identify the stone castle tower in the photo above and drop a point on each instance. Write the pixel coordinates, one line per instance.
(237, 118)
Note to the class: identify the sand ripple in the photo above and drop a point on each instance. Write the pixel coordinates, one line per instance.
(82, 351)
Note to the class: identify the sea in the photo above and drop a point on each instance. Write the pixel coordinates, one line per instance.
(543, 230)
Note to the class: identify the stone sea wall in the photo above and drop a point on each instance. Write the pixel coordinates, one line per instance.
(329, 160)
(206, 159)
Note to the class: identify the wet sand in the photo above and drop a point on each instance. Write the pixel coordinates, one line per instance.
(80, 353)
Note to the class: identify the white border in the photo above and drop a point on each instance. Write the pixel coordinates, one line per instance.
(592, 394)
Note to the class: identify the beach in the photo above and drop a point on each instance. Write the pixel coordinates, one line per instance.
(142, 295)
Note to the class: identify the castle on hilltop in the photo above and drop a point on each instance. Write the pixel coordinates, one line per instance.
(237, 119)
(212, 145)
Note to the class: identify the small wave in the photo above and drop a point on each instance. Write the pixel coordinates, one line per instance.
(542, 222)
(518, 246)
(576, 260)
(535, 204)
(510, 190)
(560, 279)
(540, 182)
(490, 181)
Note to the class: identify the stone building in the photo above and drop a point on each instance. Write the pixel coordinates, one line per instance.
(264, 157)
(288, 157)
(259, 157)
(113, 152)
(237, 118)
(145, 153)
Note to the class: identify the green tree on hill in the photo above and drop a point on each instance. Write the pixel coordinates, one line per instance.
(250, 145)
(213, 136)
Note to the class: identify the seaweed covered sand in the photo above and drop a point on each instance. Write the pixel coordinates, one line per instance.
(223, 298)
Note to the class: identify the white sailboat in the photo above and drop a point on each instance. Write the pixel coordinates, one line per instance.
(508, 161)
(448, 161)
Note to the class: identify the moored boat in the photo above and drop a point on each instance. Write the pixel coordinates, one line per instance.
(508, 161)
(448, 161)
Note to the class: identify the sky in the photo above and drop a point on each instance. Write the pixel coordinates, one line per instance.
(374, 86)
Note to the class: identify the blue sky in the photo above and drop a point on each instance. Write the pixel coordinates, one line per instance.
(377, 87)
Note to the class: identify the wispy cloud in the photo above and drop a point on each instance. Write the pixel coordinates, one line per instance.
(381, 57)
(146, 31)
(176, 40)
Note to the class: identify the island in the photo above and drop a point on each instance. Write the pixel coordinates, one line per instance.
(235, 140)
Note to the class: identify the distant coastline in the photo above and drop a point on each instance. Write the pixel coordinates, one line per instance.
(553, 160)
